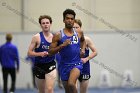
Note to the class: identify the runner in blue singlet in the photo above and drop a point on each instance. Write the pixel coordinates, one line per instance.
(68, 43)
(85, 76)
(44, 66)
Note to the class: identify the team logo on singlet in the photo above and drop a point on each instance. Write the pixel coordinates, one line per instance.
(74, 40)
(45, 47)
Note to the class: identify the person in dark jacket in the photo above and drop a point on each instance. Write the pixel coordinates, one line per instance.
(9, 60)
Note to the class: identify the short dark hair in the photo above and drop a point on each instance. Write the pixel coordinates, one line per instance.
(79, 22)
(9, 37)
(68, 11)
(43, 17)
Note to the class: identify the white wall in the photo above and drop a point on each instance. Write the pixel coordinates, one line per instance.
(20, 14)
(10, 20)
(116, 53)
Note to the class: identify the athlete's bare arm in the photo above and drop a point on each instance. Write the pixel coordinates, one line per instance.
(91, 46)
(34, 44)
(54, 48)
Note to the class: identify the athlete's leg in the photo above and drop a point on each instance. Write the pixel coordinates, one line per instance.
(77, 85)
(84, 86)
(60, 85)
(5, 78)
(33, 78)
(50, 81)
(84, 78)
(63, 71)
(65, 85)
(13, 78)
(74, 74)
(40, 84)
